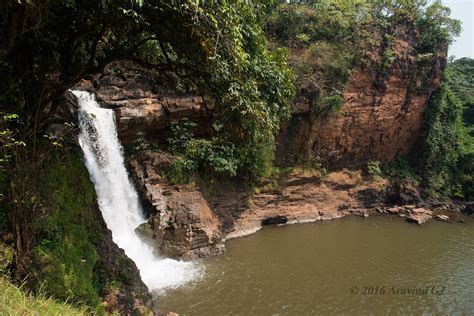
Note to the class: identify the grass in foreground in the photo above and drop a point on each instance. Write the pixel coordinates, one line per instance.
(15, 301)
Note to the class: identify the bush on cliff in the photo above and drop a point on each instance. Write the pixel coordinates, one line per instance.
(461, 83)
(442, 142)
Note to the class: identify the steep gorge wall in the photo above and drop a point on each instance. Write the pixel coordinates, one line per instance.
(382, 114)
(382, 117)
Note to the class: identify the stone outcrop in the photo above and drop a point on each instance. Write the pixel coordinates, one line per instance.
(142, 106)
(187, 228)
(419, 215)
(403, 192)
(306, 197)
(382, 113)
(189, 222)
(182, 225)
(192, 221)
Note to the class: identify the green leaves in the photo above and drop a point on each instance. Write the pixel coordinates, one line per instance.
(207, 156)
(442, 142)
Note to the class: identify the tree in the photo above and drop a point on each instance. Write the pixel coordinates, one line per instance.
(215, 49)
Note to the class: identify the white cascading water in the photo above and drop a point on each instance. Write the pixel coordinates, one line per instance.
(118, 200)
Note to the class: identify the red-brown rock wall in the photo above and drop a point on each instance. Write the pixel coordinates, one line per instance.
(382, 113)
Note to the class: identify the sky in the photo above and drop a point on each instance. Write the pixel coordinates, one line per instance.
(464, 44)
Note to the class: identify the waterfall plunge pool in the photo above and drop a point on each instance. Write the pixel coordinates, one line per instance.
(348, 266)
(337, 267)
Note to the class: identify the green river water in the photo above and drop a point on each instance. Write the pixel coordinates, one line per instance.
(378, 265)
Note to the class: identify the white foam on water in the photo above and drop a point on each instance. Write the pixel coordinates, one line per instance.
(118, 199)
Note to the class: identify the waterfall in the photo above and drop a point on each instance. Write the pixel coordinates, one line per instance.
(118, 199)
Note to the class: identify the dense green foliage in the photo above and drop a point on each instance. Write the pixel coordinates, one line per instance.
(442, 142)
(462, 78)
(65, 256)
(401, 169)
(199, 155)
(461, 82)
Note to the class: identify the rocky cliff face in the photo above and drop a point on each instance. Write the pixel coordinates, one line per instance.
(181, 223)
(144, 109)
(382, 114)
(381, 118)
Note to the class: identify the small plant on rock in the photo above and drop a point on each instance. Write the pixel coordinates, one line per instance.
(374, 170)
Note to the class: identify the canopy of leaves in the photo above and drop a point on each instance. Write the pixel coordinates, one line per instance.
(462, 78)
(216, 49)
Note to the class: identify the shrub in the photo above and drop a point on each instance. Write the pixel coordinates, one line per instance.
(389, 57)
(181, 134)
(312, 164)
(374, 170)
(400, 169)
(204, 157)
(332, 104)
